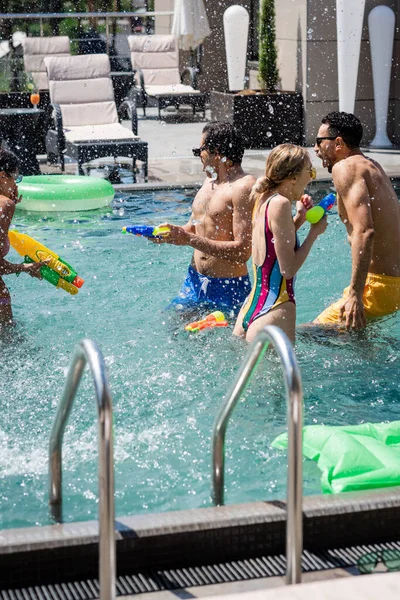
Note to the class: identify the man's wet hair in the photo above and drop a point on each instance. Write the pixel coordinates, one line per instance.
(346, 126)
(224, 139)
(9, 162)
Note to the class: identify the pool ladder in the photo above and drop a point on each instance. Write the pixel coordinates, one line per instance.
(87, 351)
(294, 394)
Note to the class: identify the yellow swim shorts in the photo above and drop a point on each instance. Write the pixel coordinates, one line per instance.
(381, 297)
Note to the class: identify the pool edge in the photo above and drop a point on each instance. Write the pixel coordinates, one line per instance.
(197, 536)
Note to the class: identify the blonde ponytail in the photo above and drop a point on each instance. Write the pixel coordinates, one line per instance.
(283, 162)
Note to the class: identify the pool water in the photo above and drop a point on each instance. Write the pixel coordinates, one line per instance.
(167, 385)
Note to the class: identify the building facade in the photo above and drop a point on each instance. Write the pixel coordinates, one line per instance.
(307, 58)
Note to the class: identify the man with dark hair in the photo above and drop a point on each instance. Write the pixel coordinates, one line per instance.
(369, 208)
(8, 199)
(223, 138)
(219, 228)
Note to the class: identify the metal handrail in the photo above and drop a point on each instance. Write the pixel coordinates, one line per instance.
(84, 15)
(294, 392)
(87, 351)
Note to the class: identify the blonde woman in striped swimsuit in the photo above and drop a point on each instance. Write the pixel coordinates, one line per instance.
(276, 253)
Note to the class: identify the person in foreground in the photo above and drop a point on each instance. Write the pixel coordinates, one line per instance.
(219, 228)
(8, 199)
(369, 208)
(276, 253)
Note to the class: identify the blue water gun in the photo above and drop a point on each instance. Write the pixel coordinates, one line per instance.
(316, 213)
(146, 230)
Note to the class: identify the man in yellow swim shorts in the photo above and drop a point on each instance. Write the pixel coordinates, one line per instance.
(370, 210)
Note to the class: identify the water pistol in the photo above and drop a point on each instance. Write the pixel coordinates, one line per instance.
(215, 319)
(315, 214)
(146, 230)
(57, 272)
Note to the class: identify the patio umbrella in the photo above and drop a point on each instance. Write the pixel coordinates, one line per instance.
(190, 27)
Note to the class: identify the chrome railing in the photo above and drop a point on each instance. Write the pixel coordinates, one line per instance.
(100, 16)
(85, 15)
(294, 392)
(87, 351)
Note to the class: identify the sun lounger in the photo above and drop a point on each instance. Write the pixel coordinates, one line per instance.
(86, 124)
(155, 58)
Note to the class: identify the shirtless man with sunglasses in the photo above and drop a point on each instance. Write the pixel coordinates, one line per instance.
(369, 208)
(9, 197)
(219, 228)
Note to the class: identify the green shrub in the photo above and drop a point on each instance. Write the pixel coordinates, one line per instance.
(268, 75)
(4, 82)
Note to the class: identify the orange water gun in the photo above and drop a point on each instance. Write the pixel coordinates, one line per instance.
(215, 319)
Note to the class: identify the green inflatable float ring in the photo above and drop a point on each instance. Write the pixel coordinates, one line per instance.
(51, 193)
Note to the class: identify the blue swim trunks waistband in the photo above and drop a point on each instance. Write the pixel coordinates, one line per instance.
(219, 292)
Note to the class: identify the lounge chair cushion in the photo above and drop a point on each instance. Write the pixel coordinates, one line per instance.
(82, 86)
(157, 57)
(98, 133)
(94, 113)
(35, 51)
(40, 80)
(170, 90)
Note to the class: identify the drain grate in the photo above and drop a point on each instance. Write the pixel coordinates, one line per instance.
(172, 579)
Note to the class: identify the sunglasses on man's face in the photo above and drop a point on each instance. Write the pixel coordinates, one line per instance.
(197, 151)
(319, 140)
(368, 562)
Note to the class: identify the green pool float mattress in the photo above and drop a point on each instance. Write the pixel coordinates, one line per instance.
(352, 457)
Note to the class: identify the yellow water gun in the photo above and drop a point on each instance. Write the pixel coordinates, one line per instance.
(56, 271)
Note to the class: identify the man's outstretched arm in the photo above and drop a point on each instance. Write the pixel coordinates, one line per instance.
(236, 250)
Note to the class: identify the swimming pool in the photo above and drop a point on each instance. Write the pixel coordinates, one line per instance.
(167, 385)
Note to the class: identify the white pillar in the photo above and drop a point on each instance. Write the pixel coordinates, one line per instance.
(236, 29)
(381, 24)
(349, 22)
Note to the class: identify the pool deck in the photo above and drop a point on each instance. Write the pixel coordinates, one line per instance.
(367, 587)
(171, 163)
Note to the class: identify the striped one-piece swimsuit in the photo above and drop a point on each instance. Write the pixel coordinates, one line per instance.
(270, 288)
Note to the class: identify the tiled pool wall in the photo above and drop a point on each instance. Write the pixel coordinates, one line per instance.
(56, 553)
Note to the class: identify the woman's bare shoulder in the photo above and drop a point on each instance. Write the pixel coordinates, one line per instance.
(277, 201)
(7, 207)
(6, 200)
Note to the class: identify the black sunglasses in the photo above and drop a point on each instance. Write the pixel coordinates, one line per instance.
(318, 140)
(198, 151)
(368, 562)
